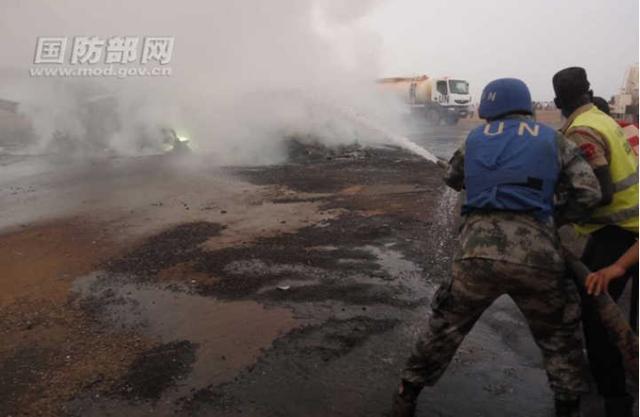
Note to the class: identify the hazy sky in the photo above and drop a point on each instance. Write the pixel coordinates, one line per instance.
(482, 40)
(247, 73)
(475, 40)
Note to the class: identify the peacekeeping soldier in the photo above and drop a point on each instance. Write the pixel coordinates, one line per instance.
(511, 168)
(612, 228)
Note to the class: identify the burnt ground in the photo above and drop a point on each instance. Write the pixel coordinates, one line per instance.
(350, 280)
(288, 290)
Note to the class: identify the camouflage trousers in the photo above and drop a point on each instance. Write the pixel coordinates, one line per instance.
(549, 303)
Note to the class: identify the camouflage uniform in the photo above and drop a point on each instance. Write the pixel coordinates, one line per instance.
(512, 253)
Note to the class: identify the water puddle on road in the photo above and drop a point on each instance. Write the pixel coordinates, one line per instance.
(228, 336)
(393, 261)
(400, 269)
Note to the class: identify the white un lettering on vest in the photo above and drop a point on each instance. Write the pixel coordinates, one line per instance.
(521, 128)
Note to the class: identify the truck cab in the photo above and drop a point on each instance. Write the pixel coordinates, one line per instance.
(452, 96)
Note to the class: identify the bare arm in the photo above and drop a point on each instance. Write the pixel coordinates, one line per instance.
(606, 184)
(598, 282)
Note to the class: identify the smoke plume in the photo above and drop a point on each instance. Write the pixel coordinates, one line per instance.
(245, 76)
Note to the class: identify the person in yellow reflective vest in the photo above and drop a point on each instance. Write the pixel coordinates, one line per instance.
(612, 227)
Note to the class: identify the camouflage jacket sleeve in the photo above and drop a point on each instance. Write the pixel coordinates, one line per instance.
(454, 177)
(578, 190)
(593, 146)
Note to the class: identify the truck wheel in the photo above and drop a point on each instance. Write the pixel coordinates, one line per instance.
(433, 116)
(452, 120)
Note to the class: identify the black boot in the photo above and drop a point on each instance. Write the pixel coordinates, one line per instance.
(404, 400)
(568, 408)
(618, 406)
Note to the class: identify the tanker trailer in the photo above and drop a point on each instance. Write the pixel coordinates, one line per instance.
(438, 99)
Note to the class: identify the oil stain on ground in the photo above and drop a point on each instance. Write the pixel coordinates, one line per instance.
(156, 369)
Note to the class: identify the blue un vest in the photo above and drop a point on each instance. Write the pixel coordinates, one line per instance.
(511, 164)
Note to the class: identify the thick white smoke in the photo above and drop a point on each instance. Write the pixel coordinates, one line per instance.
(245, 75)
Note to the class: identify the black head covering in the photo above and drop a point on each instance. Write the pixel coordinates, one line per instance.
(570, 83)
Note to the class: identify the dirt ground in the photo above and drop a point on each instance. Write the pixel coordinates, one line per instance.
(159, 286)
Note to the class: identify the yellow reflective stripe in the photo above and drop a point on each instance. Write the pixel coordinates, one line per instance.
(616, 217)
(625, 183)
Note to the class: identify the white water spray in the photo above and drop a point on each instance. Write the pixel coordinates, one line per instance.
(399, 140)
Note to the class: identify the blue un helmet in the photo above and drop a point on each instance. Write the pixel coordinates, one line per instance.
(504, 96)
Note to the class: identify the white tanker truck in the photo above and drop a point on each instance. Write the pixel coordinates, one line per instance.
(439, 99)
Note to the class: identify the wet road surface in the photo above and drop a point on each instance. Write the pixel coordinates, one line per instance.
(142, 287)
